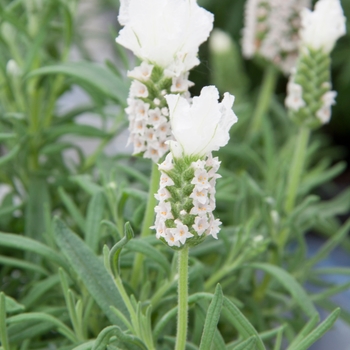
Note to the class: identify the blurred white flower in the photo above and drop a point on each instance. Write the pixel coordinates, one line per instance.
(12, 68)
(271, 30)
(324, 26)
(220, 41)
(203, 126)
(166, 33)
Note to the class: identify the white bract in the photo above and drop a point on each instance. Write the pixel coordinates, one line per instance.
(200, 127)
(324, 26)
(166, 33)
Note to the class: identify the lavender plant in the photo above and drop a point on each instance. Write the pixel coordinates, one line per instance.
(199, 244)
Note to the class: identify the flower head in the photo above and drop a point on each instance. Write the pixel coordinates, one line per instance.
(203, 126)
(271, 30)
(324, 26)
(186, 195)
(164, 32)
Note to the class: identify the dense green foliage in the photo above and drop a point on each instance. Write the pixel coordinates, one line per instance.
(75, 273)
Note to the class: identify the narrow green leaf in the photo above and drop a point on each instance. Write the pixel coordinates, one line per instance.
(248, 344)
(3, 330)
(41, 316)
(72, 208)
(74, 129)
(140, 246)
(20, 332)
(306, 330)
(39, 289)
(241, 323)
(332, 243)
(38, 198)
(30, 245)
(279, 340)
(290, 284)
(91, 271)
(9, 210)
(86, 183)
(93, 220)
(122, 318)
(328, 293)
(137, 175)
(332, 271)
(212, 319)
(86, 346)
(8, 156)
(96, 76)
(318, 332)
(130, 341)
(7, 136)
(22, 264)
(12, 306)
(320, 178)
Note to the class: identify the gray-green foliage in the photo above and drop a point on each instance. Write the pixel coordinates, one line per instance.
(69, 283)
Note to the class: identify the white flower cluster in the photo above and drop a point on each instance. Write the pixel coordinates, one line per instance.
(148, 113)
(271, 30)
(175, 223)
(295, 102)
(309, 94)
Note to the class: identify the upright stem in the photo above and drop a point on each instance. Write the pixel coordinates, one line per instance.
(294, 179)
(267, 89)
(182, 316)
(296, 168)
(147, 222)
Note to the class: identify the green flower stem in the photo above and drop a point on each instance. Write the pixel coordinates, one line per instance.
(296, 168)
(147, 222)
(182, 316)
(126, 299)
(264, 100)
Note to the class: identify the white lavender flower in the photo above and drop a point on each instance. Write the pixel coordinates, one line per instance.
(184, 214)
(165, 35)
(309, 96)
